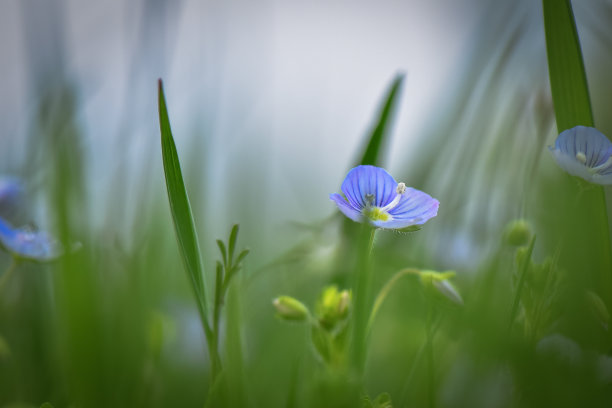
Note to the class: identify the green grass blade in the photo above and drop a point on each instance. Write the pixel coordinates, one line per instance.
(181, 211)
(572, 104)
(568, 81)
(381, 130)
(232, 243)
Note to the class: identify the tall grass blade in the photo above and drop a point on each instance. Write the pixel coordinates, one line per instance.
(181, 212)
(568, 81)
(572, 106)
(371, 155)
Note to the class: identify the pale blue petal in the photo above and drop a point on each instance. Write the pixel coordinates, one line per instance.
(346, 207)
(414, 208)
(415, 203)
(571, 165)
(587, 140)
(603, 179)
(364, 180)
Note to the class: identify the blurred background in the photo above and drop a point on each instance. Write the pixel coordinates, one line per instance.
(270, 103)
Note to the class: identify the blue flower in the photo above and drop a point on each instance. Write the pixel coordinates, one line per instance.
(26, 244)
(585, 152)
(372, 195)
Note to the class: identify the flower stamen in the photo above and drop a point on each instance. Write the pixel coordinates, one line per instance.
(603, 166)
(401, 189)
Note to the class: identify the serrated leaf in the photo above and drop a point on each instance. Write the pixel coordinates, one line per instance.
(181, 211)
(371, 155)
(568, 81)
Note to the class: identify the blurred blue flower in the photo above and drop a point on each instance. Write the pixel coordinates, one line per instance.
(27, 244)
(584, 152)
(371, 194)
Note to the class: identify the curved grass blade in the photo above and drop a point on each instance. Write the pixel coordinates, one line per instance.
(568, 80)
(181, 213)
(371, 155)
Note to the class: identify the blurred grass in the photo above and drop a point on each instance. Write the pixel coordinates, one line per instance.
(113, 324)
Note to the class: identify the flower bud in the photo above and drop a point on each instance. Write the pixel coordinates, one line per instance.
(439, 283)
(333, 306)
(517, 233)
(288, 308)
(344, 303)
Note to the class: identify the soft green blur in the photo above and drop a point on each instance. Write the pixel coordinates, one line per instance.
(116, 323)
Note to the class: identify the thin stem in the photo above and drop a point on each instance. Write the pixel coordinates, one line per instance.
(215, 362)
(362, 301)
(521, 282)
(8, 273)
(431, 383)
(607, 278)
(415, 364)
(382, 295)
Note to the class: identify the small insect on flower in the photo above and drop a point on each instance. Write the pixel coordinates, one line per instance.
(584, 152)
(27, 244)
(372, 195)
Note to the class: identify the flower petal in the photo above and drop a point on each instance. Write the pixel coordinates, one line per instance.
(364, 180)
(587, 140)
(346, 207)
(603, 179)
(571, 165)
(415, 208)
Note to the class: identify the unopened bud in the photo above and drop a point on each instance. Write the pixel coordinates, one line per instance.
(344, 303)
(289, 308)
(440, 282)
(332, 306)
(517, 233)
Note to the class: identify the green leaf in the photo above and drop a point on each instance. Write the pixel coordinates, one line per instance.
(221, 246)
(381, 130)
(219, 283)
(568, 81)
(232, 242)
(181, 212)
(241, 257)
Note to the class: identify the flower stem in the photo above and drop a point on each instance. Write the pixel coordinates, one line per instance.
(431, 383)
(521, 283)
(8, 273)
(362, 300)
(606, 279)
(382, 295)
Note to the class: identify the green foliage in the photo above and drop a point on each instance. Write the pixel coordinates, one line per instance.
(382, 401)
(377, 138)
(181, 211)
(568, 81)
